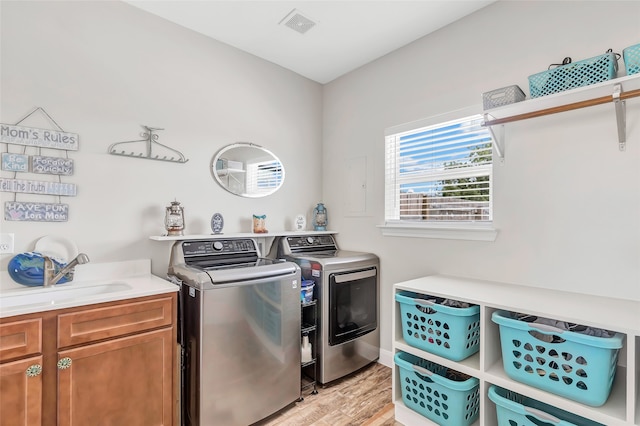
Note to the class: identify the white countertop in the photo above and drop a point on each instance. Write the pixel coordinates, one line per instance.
(130, 279)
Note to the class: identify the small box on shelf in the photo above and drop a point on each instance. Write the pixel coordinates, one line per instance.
(503, 96)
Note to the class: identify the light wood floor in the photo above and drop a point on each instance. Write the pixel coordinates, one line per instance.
(362, 398)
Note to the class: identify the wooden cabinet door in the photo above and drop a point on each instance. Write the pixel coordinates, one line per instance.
(126, 381)
(21, 392)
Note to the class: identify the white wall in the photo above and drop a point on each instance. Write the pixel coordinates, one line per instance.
(567, 202)
(102, 69)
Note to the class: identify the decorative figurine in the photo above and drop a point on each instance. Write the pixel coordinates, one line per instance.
(217, 223)
(174, 219)
(259, 224)
(300, 222)
(320, 219)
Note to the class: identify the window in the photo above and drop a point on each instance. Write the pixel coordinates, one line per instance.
(439, 175)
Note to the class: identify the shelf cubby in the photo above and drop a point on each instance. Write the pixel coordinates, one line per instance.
(618, 315)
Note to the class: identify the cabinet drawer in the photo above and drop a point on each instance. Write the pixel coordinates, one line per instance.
(20, 338)
(103, 323)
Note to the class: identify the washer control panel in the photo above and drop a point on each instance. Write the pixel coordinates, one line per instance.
(218, 247)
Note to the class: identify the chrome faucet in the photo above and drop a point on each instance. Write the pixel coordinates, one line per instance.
(50, 275)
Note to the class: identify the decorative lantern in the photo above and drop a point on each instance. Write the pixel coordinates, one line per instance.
(320, 219)
(174, 219)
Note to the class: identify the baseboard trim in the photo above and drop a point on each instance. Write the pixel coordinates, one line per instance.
(386, 358)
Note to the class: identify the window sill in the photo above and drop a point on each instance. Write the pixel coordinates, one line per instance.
(467, 231)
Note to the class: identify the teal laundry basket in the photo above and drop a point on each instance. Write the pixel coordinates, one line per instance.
(631, 56)
(514, 409)
(440, 394)
(566, 363)
(452, 333)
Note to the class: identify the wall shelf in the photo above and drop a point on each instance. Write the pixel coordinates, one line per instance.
(623, 404)
(264, 241)
(615, 91)
(236, 235)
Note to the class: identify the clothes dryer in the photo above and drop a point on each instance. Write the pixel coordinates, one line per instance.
(347, 291)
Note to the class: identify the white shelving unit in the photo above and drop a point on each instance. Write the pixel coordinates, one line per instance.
(622, 316)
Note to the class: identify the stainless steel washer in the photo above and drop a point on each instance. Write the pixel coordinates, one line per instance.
(348, 294)
(240, 332)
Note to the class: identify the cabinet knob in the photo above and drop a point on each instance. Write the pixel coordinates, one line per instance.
(34, 370)
(64, 363)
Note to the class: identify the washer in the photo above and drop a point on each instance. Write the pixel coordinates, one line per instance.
(239, 330)
(347, 291)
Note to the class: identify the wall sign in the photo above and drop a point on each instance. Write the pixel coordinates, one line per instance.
(37, 187)
(44, 165)
(23, 163)
(36, 212)
(44, 138)
(15, 162)
(52, 165)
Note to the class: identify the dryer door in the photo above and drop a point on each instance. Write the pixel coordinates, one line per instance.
(353, 304)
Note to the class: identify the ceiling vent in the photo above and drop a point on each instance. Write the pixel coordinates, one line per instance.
(297, 21)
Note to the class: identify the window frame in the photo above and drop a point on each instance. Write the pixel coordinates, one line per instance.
(458, 230)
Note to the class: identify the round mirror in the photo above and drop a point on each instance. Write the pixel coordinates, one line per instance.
(247, 170)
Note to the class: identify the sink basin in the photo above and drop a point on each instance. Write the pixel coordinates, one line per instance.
(58, 294)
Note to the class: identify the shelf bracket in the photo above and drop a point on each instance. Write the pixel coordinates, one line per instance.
(621, 117)
(498, 137)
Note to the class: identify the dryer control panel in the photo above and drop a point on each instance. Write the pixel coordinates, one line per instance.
(313, 242)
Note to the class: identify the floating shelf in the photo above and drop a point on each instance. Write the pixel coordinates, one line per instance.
(236, 235)
(264, 241)
(616, 91)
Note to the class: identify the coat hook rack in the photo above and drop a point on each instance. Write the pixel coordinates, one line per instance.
(143, 148)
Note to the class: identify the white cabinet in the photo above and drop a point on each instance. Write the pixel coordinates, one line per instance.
(622, 316)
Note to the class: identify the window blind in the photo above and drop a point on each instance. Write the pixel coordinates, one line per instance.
(264, 176)
(439, 173)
